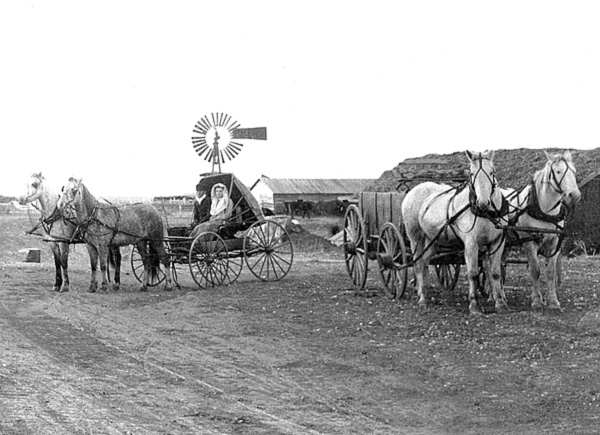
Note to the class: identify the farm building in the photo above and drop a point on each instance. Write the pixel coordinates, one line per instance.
(277, 193)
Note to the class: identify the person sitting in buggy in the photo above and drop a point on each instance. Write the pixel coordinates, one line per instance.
(220, 210)
(201, 206)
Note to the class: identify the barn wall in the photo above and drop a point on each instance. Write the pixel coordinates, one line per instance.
(585, 223)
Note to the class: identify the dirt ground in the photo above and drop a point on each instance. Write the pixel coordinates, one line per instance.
(305, 355)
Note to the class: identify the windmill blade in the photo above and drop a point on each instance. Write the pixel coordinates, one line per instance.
(198, 140)
(227, 119)
(202, 150)
(199, 126)
(259, 133)
(230, 156)
(233, 127)
(234, 151)
(212, 115)
(206, 122)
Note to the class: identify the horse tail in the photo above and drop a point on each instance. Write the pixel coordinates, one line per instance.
(153, 262)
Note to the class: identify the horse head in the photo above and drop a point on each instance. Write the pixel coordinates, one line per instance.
(72, 197)
(482, 179)
(35, 189)
(561, 176)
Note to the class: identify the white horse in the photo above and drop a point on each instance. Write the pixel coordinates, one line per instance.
(59, 232)
(438, 215)
(541, 205)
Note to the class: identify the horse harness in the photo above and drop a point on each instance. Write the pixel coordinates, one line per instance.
(82, 228)
(533, 209)
(47, 222)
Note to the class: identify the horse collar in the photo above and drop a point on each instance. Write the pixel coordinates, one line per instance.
(495, 214)
(535, 211)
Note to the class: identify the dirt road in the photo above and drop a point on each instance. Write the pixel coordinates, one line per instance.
(302, 356)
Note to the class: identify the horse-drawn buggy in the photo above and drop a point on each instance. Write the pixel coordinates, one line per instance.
(470, 221)
(216, 256)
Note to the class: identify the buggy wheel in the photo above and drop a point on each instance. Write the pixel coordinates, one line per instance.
(268, 250)
(208, 260)
(447, 275)
(355, 246)
(391, 258)
(235, 264)
(137, 267)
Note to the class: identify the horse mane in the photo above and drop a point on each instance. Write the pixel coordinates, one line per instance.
(87, 198)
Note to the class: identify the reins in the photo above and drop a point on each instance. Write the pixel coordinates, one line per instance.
(82, 228)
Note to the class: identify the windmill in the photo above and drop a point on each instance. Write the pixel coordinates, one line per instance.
(217, 135)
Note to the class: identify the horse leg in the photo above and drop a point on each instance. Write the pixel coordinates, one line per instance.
(143, 250)
(103, 254)
(534, 271)
(159, 247)
(93, 252)
(551, 271)
(472, 266)
(495, 278)
(115, 260)
(64, 263)
(58, 278)
(421, 266)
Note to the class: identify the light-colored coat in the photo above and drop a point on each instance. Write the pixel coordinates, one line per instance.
(438, 215)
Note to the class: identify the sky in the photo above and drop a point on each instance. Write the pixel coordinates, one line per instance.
(110, 91)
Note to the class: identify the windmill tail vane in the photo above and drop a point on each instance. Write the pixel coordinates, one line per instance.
(214, 138)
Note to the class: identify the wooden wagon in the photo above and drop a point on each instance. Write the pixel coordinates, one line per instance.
(373, 231)
(217, 257)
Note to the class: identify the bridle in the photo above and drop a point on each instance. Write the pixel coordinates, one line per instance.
(553, 180)
(496, 213)
(473, 176)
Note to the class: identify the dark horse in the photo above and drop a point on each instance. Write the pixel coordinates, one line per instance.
(103, 225)
(59, 232)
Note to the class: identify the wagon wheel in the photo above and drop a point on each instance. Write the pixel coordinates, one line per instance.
(447, 275)
(355, 246)
(391, 257)
(268, 250)
(137, 267)
(235, 264)
(208, 260)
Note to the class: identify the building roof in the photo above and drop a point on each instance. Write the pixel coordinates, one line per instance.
(330, 186)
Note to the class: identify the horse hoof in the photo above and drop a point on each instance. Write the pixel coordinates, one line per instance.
(502, 308)
(475, 309)
(116, 287)
(91, 290)
(64, 290)
(143, 288)
(55, 289)
(537, 307)
(555, 308)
